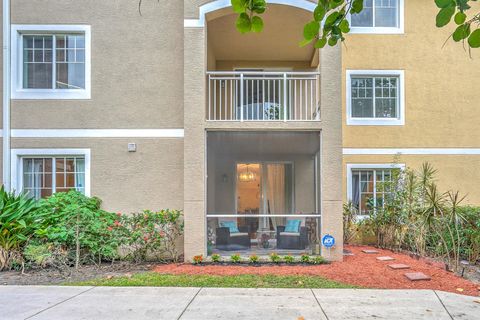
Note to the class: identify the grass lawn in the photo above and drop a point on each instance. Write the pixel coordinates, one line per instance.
(153, 279)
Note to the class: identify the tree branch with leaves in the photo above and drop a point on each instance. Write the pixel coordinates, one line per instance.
(330, 21)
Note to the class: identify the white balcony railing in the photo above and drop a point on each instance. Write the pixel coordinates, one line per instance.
(263, 96)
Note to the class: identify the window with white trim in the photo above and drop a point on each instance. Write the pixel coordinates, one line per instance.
(52, 62)
(379, 16)
(369, 188)
(43, 176)
(375, 98)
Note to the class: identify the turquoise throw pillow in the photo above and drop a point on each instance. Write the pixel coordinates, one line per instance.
(231, 225)
(293, 226)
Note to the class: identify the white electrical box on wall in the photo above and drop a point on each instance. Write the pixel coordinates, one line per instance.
(132, 147)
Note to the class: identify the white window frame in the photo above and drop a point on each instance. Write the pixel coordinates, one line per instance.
(18, 92)
(17, 168)
(354, 121)
(382, 30)
(359, 166)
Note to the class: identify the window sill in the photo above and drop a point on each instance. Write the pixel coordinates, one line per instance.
(45, 94)
(375, 122)
(376, 30)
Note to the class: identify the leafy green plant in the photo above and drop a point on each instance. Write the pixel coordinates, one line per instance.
(330, 20)
(197, 259)
(415, 215)
(289, 259)
(254, 259)
(39, 254)
(275, 258)
(216, 258)
(318, 260)
(350, 213)
(305, 258)
(457, 9)
(235, 258)
(76, 223)
(19, 220)
(153, 233)
(248, 19)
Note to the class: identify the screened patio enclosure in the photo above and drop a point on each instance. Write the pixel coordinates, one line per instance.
(263, 192)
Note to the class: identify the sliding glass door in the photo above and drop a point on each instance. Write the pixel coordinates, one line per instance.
(266, 189)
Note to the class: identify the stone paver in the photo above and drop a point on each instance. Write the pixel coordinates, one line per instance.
(64, 303)
(417, 276)
(398, 266)
(385, 258)
(368, 251)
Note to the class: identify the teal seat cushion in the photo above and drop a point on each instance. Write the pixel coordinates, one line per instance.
(293, 225)
(231, 225)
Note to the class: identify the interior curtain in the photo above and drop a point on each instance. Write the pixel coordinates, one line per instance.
(37, 178)
(276, 194)
(356, 190)
(80, 175)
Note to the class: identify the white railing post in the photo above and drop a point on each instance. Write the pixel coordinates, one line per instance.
(209, 97)
(285, 97)
(241, 97)
(266, 97)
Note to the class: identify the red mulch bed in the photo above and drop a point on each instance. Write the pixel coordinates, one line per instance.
(360, 269)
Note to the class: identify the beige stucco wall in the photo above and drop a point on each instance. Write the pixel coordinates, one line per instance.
(195, 59)
(230, 65)
(137, 67)
(150, 178)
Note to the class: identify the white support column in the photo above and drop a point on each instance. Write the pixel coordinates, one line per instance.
(6, 96)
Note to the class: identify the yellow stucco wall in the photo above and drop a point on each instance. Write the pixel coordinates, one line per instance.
(441, 84)
(441, 94)
(454, 172)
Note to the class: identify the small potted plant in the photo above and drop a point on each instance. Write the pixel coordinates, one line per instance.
(253, 259)
(264, 241)
(216, 258)
(305, 258)
(197, 260)
(275, 258)
(289, 259)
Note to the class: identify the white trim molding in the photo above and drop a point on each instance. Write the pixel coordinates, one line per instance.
(17, 155)
(383, 30)
(411, 151)
(221, 4)
(17, 90)
(97, 133)
(399, 121)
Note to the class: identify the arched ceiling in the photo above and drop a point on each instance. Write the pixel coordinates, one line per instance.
(277, 42)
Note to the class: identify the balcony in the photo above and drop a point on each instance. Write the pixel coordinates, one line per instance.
(262, 96)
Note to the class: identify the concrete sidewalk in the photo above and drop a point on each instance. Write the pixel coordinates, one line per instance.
(55, 303)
